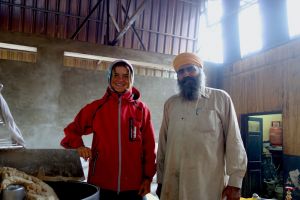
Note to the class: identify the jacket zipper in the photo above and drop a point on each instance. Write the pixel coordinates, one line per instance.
(120, 145)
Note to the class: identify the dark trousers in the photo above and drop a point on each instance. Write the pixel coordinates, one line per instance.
(126, 195)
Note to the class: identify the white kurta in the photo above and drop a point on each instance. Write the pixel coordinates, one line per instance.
(196, 139)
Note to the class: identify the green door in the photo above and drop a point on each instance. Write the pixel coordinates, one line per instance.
(253, 141)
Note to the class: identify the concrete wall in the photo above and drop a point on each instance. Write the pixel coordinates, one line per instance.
(45, 96)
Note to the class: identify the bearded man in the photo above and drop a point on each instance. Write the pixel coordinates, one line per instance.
(200, 151)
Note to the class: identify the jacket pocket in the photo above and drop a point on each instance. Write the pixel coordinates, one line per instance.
(134, 132)
(205, 121)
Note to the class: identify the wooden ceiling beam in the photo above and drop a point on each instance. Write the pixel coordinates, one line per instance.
(129, 23)
(85, 20)
(133, 28)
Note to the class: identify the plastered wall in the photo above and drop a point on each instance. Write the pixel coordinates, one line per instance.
(45, 96)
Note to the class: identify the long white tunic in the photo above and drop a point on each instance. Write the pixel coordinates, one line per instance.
(200, 147)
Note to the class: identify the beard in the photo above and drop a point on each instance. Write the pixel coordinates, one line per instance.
(190, 87)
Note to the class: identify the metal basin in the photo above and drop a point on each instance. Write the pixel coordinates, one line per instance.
(74, 190)
(13, 192)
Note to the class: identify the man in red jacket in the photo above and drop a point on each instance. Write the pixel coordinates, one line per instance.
(122, 155)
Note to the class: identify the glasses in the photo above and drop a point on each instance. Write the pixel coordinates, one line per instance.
(188, 69)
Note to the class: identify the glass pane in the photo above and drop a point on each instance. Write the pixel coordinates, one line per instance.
(253, 126)
(210, 33)
(293, 17)
(250, 30)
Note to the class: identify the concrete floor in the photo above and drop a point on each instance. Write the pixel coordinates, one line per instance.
(152, 195)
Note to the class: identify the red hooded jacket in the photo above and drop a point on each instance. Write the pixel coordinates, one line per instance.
(123, 147)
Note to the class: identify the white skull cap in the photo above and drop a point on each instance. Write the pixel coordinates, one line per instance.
(119, 62)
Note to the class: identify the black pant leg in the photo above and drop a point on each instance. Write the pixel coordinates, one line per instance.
(130, 195)
(108, 195)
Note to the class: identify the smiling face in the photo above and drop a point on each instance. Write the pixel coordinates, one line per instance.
(120, 79)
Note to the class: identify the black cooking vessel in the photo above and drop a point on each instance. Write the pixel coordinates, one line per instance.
(75, 190)
(55, 165)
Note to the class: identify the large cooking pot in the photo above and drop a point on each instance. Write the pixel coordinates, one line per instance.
(74, 190)
(60, 168)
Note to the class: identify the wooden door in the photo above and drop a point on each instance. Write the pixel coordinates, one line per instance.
(253, 140)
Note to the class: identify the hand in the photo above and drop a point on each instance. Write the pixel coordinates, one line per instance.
(145, 187)
(232, 193)
(84, 152)
(158, 189)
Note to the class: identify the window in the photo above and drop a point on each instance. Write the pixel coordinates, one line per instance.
(17, 47)
(293, 17)
(250, 29)
(101, 63)
(210, 34)
(18, 52)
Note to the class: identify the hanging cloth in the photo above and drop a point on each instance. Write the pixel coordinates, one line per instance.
(8, 120)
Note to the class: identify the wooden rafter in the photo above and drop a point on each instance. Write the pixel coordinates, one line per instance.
(129, 22)
(85, 20)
